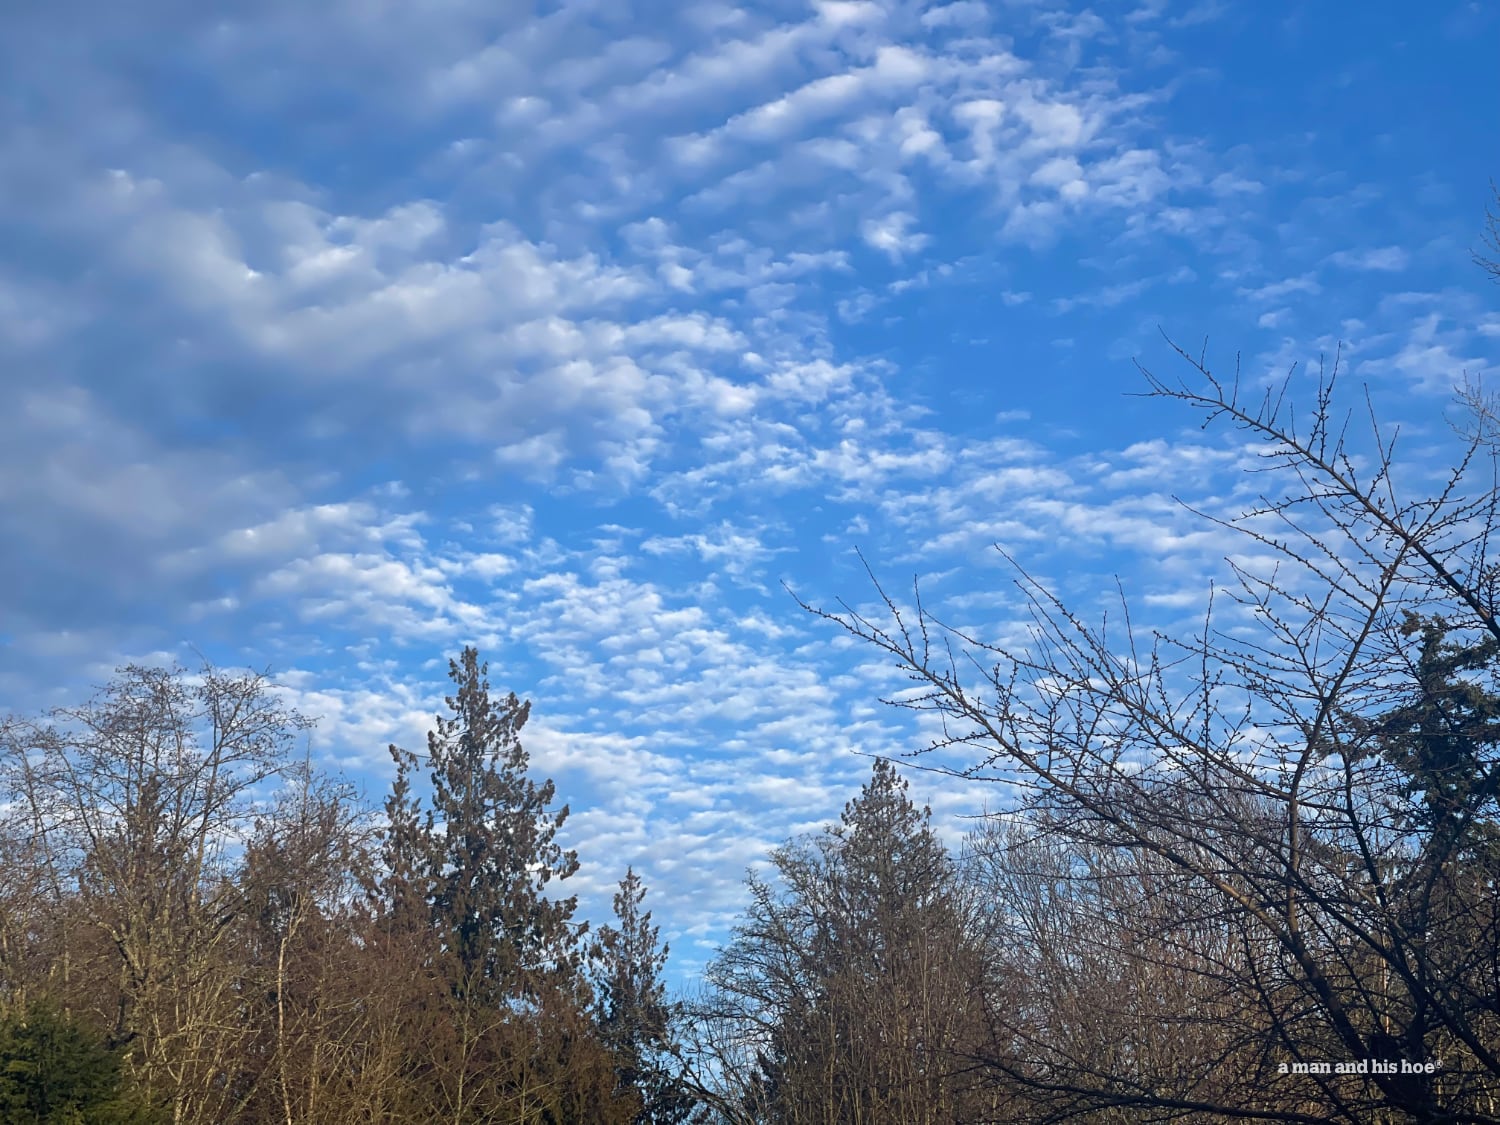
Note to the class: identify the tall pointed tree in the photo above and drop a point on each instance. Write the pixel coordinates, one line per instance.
(903, 965)
(499, 1027)
(486, 848)
(851, 990)
(635, 1018)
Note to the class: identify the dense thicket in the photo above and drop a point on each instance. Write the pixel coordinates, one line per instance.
(234, 939)
(54, 1072)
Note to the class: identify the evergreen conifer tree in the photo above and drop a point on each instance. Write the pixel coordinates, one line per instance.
(480, 857)
(852, 987)
(501, 1018)
(53, 1072)
(635, 1017)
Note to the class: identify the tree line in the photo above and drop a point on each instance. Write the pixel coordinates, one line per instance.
(1250, 873)
(197, 927)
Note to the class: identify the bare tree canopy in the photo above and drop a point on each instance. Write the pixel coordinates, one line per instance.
(1488, 256)
(1302, 796)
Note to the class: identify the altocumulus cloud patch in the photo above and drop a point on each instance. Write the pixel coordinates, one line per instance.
(335, 341)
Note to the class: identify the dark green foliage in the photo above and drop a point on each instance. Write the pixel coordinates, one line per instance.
(1442, 886)
(1444, 738)
(479, 859)
(892, 861)
(53, 1072)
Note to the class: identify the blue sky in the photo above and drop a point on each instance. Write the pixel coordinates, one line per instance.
(337, 336)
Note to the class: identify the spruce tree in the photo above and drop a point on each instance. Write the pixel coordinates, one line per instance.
(1443, 737)
(635, 1018)
(893, 866)
(53, 1072)
(480, 857)
(499, 1027)
(852, 987)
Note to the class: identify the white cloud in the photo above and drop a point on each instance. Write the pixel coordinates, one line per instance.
(1433, 355)
(963, 13)
(1277, 290)
(1064, 174)
(894, 69)
(889, 234)
(1054, 125)
(733, 551)
(1384, 259)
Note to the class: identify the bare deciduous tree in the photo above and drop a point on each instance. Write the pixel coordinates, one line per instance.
(299, 950)
(140, 801)
(1315, 773)
(1488, 258)
(1109, 975)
